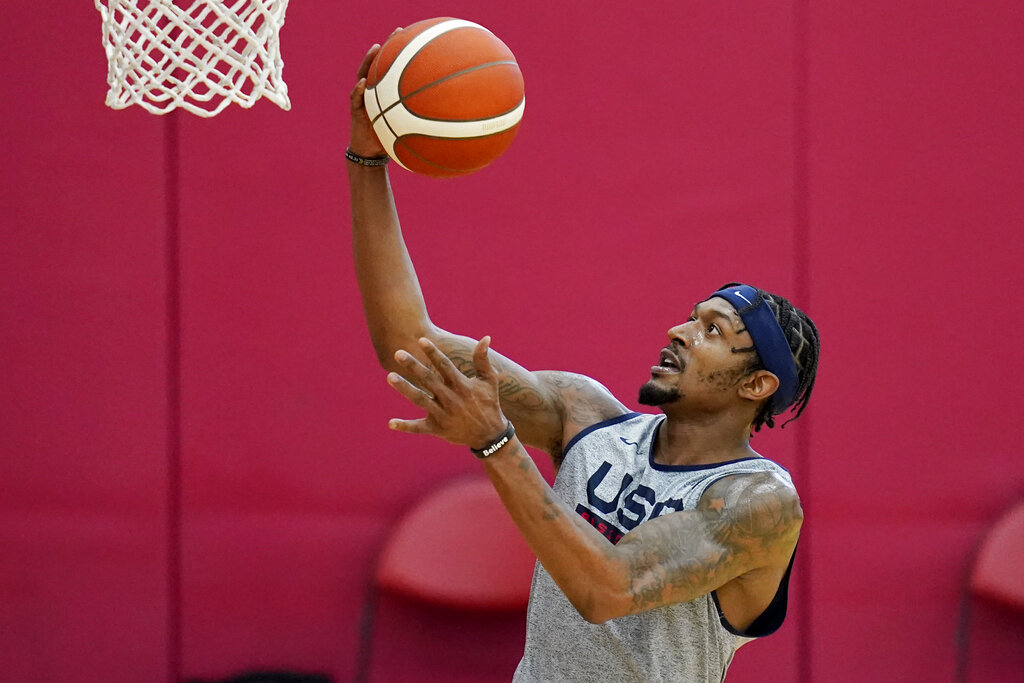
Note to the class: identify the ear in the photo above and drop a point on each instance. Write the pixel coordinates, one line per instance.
(758, 385)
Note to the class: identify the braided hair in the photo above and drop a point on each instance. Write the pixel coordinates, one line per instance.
(804, 344)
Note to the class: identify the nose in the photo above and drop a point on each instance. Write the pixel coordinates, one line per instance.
(682, 333)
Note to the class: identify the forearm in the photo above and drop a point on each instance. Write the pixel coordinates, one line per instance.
(392, 301)
(582, 563)
(467, 410)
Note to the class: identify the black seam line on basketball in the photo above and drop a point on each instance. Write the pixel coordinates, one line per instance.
(434, 164)
(393, 133)
(429, 118)
(488, 118)
(403, 98)
(433, 26)
(376, 96)
(401, 141)
(444, 137)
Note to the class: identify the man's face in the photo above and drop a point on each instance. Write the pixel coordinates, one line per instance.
(699, 367)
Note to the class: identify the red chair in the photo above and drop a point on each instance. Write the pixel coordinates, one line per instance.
(998, 573)
(993, 605)
(449, 592)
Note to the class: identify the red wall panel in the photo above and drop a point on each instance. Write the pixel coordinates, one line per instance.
(915, 169)
(83, 394)
(864, 160)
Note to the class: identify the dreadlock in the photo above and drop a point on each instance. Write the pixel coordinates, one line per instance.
(802, 336)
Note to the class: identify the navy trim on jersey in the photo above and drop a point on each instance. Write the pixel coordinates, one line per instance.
(650, 454)
(692, 468)
(769, 621)
(598, 425)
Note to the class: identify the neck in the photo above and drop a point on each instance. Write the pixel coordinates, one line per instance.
(702, 440)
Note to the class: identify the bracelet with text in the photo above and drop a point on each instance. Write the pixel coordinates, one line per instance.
(366, 161)
(503, 439)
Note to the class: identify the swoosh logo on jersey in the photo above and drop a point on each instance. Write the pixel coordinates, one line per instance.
(634, 444)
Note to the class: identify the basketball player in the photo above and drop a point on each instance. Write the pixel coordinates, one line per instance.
(666, 541)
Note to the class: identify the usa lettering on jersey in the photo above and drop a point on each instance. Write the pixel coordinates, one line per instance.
(629, 507)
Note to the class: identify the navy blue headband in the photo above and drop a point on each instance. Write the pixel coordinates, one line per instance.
(769, 340)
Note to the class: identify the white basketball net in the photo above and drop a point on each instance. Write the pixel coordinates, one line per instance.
(200, 55)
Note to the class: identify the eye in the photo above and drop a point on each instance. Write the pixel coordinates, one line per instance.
(713, 329)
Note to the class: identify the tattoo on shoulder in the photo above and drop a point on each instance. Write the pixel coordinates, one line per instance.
(742, 521)
(752, 513)
(584, 401)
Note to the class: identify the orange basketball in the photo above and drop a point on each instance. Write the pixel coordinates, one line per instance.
(445, 97)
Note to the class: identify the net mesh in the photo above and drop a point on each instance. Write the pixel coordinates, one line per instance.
(200, 55)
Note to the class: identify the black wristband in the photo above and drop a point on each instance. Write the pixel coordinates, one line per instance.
(366, 161)
(502, 439)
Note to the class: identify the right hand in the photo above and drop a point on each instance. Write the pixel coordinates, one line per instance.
(362, 140)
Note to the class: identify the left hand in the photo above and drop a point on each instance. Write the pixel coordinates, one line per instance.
(462, 410)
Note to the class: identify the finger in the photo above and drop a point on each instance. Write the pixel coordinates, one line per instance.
(414, 394)
(410, 426)
(444, 366)
(482, 360)
(426, 378)
(364, 68)
(356, 95)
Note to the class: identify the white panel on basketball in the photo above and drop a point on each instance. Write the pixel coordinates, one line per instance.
(385, 93)
(386, 90)
(388, 114)
(404, 120)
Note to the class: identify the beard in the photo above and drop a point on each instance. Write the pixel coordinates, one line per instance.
(653, 395)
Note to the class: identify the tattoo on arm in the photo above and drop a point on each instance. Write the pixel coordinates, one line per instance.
(581, 403)
(551, 509)
(741, 523)
(510, 388)
(459, 353)
(545, 405)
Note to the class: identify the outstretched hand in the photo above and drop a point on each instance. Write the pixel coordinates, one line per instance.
(462, 410)
(362, 139)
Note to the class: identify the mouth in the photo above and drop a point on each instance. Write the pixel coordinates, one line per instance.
(668, 364)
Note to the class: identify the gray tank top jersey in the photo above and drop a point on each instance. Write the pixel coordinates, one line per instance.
(609, 478)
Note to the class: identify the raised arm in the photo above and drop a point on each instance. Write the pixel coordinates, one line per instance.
(546, 407)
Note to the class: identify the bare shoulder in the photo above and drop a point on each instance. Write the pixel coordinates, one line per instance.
(582, 400)
(754, 514)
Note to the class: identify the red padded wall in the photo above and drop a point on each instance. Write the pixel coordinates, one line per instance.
(915, 175)
(83, 365)
(197, 470)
